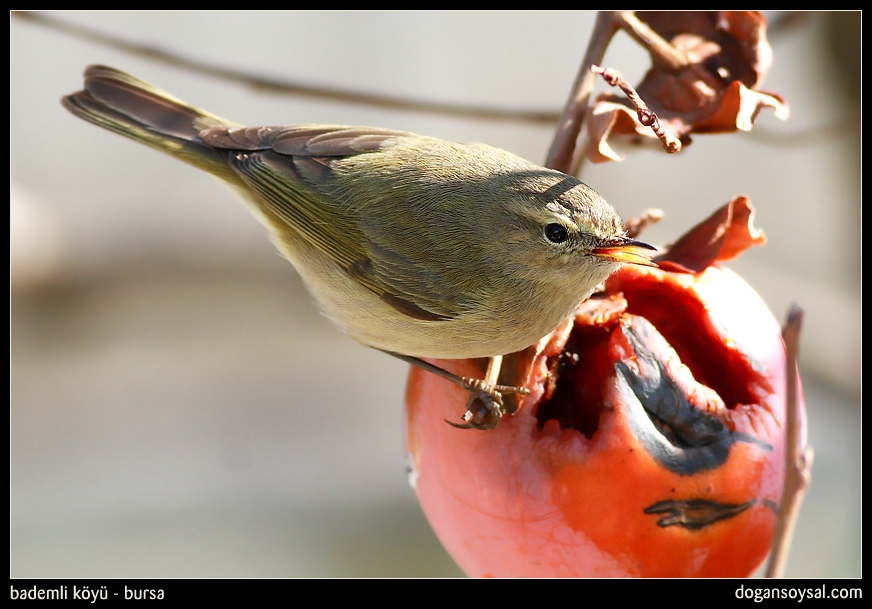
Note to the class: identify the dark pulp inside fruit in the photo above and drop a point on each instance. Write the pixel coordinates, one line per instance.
(574, 394)
(574, 397)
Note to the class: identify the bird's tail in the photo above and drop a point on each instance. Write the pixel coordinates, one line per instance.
(130, 107)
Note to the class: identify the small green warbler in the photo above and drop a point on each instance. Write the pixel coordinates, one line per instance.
(410, 244)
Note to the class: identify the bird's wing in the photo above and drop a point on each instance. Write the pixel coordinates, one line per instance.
(291, 171)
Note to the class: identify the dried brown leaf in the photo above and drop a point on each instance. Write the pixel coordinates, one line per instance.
(722, 236)
(727, 56)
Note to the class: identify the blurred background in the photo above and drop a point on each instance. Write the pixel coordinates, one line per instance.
(178, 405)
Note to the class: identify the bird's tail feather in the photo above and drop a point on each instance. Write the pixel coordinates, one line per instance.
(133, 108)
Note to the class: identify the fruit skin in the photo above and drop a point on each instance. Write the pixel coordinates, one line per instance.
(636, 495)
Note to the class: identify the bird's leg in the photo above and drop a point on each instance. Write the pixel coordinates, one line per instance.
(484, 408)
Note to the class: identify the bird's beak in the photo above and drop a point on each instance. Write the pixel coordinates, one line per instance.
(628, 251)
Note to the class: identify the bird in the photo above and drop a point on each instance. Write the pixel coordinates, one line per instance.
(412, 245)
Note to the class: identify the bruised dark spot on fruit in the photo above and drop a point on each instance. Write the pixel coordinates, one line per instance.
(683, 424)
(682, 320)
(695, 514)
(681, 436)
(771, 505)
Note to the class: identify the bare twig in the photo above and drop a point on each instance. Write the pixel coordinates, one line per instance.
(797, 473)
(662, 52)
(569, 126)
(646, 115)
(261, 83)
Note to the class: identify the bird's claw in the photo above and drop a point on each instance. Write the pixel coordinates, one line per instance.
(485, 408)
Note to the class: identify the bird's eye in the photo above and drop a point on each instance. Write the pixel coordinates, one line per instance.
(556, 233)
